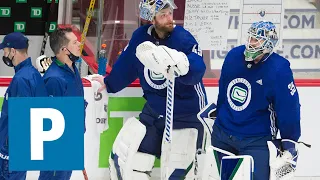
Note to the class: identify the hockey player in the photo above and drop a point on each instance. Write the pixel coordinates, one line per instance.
(62, 79)
(139, 142)
(257, 97)
(26, 82)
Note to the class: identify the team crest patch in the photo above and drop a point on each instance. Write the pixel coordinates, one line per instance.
(156, 76)
(239, 94)
(155, 80)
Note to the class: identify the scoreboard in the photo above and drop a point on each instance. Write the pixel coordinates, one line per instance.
(27, 16)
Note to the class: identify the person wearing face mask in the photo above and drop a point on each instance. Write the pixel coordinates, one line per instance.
(26, 82)
(62, 78)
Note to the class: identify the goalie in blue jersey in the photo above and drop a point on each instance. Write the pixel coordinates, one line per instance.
(139, 142)
(257, 98)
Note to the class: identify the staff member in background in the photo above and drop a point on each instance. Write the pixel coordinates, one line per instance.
(26, 82)
(63, 79)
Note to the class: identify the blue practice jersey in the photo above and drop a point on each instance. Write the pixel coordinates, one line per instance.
(190, 95)
(61, 81)
(27, 82)
(260, 100)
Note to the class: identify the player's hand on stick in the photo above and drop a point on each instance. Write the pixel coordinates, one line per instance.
(179, 59)
(100, 79)
(154, 58)
(161, 58)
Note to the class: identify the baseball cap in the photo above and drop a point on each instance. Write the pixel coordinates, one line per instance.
(15, 40)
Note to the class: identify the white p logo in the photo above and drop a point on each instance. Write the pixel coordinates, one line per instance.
(38, 136)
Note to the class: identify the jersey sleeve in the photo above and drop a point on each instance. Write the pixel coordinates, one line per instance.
(124, 71)
(221, 96)
(54, 87)
(286, 104)
(20, 88)
(197, 66)
(222, 87)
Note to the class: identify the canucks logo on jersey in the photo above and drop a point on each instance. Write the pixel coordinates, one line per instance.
(239, 94)
(155, 80)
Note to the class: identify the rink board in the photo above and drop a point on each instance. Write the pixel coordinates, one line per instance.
(129, 102)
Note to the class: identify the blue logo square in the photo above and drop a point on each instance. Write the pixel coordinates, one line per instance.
(46, 133)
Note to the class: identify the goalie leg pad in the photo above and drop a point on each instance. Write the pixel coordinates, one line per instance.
(209, 163)
(207, 116)
(141, 167)
(237, 168)
(125, 162)
(182, 154)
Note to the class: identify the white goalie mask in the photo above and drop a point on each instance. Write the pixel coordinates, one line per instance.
(262, 38)
(149, 8)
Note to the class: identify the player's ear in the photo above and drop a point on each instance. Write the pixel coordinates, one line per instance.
(13, 51)
(153, 20)
(64, 49)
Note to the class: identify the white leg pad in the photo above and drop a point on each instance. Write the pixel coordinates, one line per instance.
(181, 158)
(125, 162)
(209, 163)
(141, 167)
(207, 116)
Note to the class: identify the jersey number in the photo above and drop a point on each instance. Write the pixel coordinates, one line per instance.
(196, 49)
(292, 88)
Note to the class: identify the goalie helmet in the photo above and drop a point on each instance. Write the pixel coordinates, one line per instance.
(149, 8)
(262, 38)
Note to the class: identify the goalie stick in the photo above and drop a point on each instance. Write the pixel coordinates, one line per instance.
(167, 134)
(85, 30)
(47, 26)
(150, 48)
(43, 58)
(86, 25)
